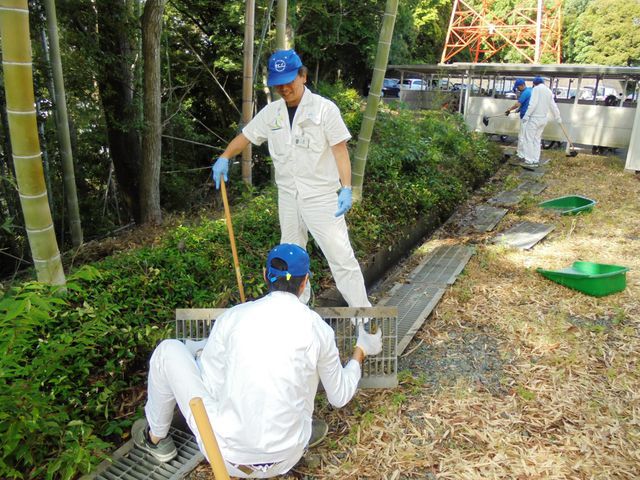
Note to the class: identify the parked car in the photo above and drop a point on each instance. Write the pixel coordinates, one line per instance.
(463, 86)
(390, 88)
(587, 92)
(413, 84)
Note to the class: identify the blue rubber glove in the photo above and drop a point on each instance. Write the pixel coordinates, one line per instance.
(344, 201)
(221, 167)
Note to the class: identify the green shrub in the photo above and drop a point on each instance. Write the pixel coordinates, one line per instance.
(74, 367)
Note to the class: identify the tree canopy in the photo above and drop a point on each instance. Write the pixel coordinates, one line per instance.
(604, 32)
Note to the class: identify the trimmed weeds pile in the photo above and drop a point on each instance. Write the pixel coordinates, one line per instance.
(514, 376)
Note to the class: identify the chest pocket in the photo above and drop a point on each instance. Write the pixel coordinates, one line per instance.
(278, 142)
(311, 128)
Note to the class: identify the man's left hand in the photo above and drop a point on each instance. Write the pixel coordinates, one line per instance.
(344, 201)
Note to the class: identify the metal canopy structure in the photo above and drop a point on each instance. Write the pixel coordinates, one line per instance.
(533, 28)
(566, 70)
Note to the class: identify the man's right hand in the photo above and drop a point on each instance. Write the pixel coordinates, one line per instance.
(221, 167)
(370, 344)
(507, 112)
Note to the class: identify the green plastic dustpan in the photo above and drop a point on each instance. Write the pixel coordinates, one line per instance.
(569, 205)
(595, 279)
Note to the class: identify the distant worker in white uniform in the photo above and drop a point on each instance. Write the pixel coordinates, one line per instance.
(307, 141)
(536, 118)
(524, 96)
(257, 375)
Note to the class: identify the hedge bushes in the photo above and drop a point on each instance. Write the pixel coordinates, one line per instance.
(73, 372)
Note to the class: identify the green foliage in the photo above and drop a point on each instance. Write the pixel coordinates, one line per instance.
(603, 32)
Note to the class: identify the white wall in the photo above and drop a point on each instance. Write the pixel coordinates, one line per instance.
(585, 124)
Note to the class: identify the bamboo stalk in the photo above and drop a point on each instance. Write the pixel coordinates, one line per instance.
(18, 76)
(373, 99)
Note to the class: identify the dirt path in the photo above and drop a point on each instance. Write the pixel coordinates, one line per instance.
(512, 376)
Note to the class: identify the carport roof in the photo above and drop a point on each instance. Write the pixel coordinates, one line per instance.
(520, 69)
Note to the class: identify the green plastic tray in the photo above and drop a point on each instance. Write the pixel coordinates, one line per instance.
(569, 205)
(595, 279)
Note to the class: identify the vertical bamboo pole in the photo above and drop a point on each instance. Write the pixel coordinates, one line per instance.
(382, 57)
(281, 25)
(18, 76)
(247, 84)
(62, 125)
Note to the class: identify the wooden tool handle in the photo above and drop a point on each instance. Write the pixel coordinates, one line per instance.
(209, 439)
(232, 240)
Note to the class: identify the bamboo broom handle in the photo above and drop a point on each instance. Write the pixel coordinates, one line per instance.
(232, 239)
(209, 439)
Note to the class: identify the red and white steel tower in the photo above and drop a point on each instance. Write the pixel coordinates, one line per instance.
(533, 29)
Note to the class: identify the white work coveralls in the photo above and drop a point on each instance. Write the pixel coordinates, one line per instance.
(307, 179)
(536, 119)
(257, 376)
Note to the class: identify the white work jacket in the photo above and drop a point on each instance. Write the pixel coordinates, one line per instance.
(301, 153)
(542, 103)
(261, 365)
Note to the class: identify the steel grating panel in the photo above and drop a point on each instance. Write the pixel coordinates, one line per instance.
(513, 197)
(531, 186)
(508, 198)
(415, 302)
(524, 235)
(377, 372)
(485, 217)
(443, 265)
(538, 173)
(130, 463)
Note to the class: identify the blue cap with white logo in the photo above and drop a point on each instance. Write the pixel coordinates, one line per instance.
(283, 67)
(518, 82)
(295, 258)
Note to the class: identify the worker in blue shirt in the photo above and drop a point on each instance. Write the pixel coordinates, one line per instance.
(524, 95)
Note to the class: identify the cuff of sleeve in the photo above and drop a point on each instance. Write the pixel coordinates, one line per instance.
(247, 133)
(354, 365)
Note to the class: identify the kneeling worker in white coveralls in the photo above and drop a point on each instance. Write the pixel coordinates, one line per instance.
(257, 375)
(307, 141)
(536, 118)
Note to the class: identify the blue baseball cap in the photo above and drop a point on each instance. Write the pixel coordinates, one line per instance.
(518, 82)
(283, 67)
(295, 257)
(538, 80)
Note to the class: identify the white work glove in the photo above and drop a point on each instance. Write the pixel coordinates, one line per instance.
(370, 343)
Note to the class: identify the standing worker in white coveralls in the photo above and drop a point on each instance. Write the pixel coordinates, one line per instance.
(536, 118)
(524, 96)
(307, 141)
(257, 375)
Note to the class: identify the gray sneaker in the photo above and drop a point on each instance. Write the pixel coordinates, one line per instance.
(319, 429)
(164, 451)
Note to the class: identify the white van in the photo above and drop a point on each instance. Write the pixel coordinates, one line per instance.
(413, 84)
(587, 92)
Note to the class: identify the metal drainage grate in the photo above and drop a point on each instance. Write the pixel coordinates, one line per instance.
(380, 371)
(485, 217)
(377, 372)
(508, 198)
(531, 186)
(130, 463)
(415, 302)
(524, 235)
(535, 174)
(443, 265)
